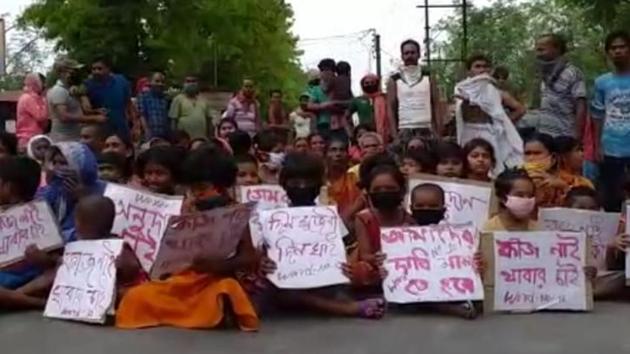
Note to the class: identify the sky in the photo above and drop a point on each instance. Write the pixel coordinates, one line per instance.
(337, 28)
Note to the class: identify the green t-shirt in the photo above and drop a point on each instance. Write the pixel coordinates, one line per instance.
(317, 95)
(363, 108)
(191, 115)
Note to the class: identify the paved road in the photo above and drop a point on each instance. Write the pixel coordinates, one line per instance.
(607, 330)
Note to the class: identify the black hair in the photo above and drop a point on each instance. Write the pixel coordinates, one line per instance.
(505, 181)
(429, 186)
(104, 60)
(116, 160)
(240, 142)
(369, 164)
(168, 156)
(448, 150)
(9, 141)
(565, 144)
(275, 91)
(266, 140)
(422, 157)
(180, 135)
(613, 36)
(558, 41)
(124, 139)
(312, 135)
(410, 41)
(393, 171)
(475, 58)
(545, 139)
(100, 211)
(227, 120)
(211, 165)
(23, 174)
(302, 166)
(475, 143)
(245, 158)
(361, 126)
(327, 64)
(101, 133)
(581, 191)
(337, 139)
(501, 71)
(343, 68)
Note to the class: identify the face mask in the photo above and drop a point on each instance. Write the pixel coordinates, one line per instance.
(386, 201)
(191, 88)
(302, 196)
(424, 217)
(542, 165)
(158, 89)
(276, 158)
(520, 207)
(212, 203)
(370, 89)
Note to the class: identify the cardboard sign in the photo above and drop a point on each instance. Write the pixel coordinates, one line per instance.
(85, 285)
(534, 271)
(141, 219)
(25, 225)
(466, 201)
(306, 245)
(599, 227)
(214, 234)
(431, 264)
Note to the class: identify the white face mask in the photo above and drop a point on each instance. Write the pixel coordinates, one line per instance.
(521, 208)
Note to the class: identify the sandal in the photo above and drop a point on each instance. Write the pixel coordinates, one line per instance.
(372, 309)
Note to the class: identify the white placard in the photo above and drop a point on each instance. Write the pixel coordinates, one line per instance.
(627, 213)
(600, 227)
(85, 285)
(465, 203)
(25, 225)
(540, 271)
(266, 197)
(214, 234)
(141, 219)
(306, 245)
(431, 264)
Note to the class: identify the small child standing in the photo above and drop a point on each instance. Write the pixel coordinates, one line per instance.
(247, 174)
(517, 201)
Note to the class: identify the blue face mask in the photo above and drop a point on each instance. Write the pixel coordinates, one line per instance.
(191, 88)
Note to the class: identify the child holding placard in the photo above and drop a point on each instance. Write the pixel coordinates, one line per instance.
(516, 193)
(21, 284)
(247, 174)
(302, 177)
(450, 160)
(207, 295)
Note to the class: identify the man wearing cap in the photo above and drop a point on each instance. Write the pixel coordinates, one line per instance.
(111, 92)
(65, 110)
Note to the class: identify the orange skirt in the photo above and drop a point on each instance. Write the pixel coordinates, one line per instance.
(187, 300)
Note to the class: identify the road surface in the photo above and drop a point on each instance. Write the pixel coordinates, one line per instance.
(606, 330)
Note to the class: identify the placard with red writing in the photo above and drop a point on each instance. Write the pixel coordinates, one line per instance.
(141, 219)
(214, 234)
(85, 283)
(599, 226)
(266, 197)
(536, 271)
(25, 225)
(430, 264)
(306, 245)
(466, 202)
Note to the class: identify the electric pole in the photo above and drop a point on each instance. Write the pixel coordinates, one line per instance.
(377, 51)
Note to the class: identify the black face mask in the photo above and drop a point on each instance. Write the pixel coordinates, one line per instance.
(424, 217)
(302, 196)
(386, 201)
(212, 203)
(370, 89)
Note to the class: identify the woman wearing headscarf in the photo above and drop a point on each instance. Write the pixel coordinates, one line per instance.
(371, 107)
(36, 149)
(71, 172)
(32, 112)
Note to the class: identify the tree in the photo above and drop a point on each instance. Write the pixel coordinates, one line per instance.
(506, 31)
(240, 38)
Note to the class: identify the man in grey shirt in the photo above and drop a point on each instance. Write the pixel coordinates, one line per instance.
(563, 105)
(65, 110)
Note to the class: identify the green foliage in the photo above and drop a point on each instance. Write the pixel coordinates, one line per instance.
(506, 32)
(241, 38)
